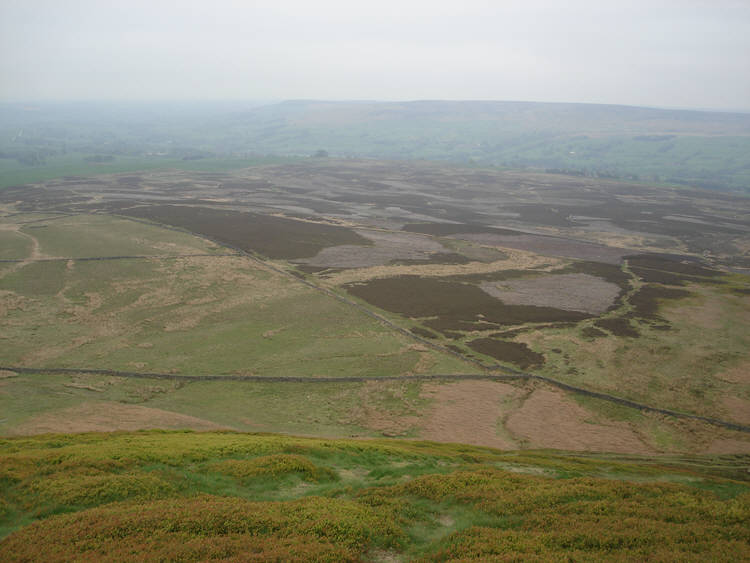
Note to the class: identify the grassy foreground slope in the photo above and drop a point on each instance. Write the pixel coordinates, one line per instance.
(187, 496)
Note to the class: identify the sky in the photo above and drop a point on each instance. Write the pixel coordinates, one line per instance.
(665, 53)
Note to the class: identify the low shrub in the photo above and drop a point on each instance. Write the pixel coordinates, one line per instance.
(272, 466)
(205, 527)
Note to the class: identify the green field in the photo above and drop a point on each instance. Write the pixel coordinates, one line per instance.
(191, 315)
(186, 496)
(90, 236)
(33, 403)
(13, 245)
(13, 173)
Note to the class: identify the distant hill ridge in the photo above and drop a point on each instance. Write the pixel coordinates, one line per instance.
(547, 116)
(671, 146)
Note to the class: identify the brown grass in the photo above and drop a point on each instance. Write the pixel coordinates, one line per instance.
(736, 374)
(370, 415)
(548, 419)
(738, 409)
(706, 309)
(728, 446)
(468, 412)
(104, 416)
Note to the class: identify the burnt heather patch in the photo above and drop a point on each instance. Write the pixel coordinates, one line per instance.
(609, 272)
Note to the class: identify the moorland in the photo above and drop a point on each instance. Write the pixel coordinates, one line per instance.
(360, 270)
(407, 317)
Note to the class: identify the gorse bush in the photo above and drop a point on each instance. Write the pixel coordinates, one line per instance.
(92, 490)
(181, 496)
(584, 515)
(272, 466)
(340, 527)
(497, 544)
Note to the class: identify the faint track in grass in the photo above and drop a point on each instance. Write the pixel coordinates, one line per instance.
(135, 257)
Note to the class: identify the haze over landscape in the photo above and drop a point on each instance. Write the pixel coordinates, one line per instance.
(672, 53)
(409, 281)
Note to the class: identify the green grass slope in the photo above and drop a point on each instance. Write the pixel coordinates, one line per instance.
(165, 310)
(228, 496)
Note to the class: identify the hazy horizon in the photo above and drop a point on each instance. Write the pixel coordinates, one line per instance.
(670, 54)
(251, 103)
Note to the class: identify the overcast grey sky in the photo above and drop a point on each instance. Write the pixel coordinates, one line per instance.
(676, 53)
